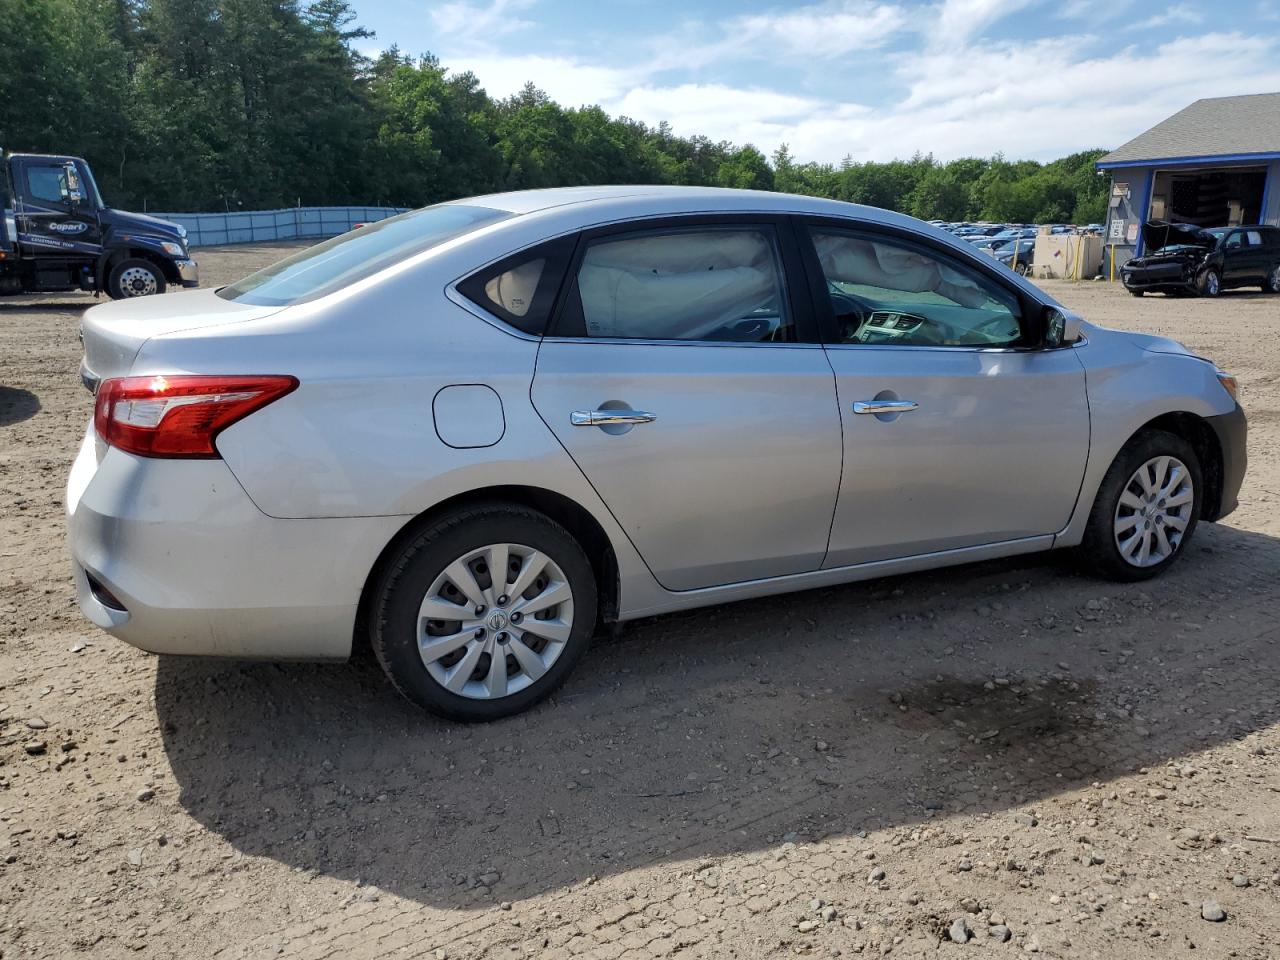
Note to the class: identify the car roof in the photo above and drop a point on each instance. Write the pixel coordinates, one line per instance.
(647, 197)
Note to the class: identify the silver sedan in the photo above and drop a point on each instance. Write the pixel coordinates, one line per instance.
(472, 434)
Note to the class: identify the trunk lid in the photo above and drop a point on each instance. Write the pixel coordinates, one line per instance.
(113, 333)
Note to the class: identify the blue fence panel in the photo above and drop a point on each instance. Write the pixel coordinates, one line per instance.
(269, 226)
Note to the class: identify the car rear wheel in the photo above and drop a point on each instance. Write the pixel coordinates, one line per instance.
(1209, 284)
(134, 277)
(1146, 509)
(1273, 281)
(484, 613)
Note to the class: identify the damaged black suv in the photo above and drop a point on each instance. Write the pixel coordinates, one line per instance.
(1181, 258)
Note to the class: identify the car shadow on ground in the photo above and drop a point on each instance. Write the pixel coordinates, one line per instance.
(48, 306)
(17, 405)
(976, 689)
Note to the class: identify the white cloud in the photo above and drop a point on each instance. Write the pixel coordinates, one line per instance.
(569, 82)
(718, 111)
(953, 22)
(467, 22)
(823, 30)
(1172, 15)
(1037, 99)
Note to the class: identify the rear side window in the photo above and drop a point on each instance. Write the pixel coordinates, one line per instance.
(340, 262)
(719, 284)
(521, 289)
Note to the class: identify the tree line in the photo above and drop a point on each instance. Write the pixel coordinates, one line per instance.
(249, 104)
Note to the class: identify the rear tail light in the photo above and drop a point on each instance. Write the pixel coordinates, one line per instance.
(179, 416)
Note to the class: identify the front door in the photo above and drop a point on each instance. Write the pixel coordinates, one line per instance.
(955, 434)
(683, 380)
(56, 214)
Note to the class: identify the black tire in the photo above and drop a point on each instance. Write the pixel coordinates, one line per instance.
(1099, 552)
(409, 575)
(124, 278)
(1135, 293)
(1023, 269)
(1272, 283)
(1206, 287)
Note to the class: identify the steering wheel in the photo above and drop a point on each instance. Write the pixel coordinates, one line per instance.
(997, 328)
(851, 312)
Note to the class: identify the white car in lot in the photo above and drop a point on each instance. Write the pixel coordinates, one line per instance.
(471, 434)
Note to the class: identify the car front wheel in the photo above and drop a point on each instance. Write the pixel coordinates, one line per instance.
(484, 612)
(1146, 509)
(1209, 284)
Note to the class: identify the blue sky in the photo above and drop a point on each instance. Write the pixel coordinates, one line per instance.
(873, 79)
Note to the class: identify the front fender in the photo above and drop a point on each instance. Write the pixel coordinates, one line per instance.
(1128, 387)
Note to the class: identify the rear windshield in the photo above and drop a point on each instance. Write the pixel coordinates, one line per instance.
(340, 262)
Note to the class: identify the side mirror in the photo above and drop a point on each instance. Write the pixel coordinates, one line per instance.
(74, 193)
(1061, 328)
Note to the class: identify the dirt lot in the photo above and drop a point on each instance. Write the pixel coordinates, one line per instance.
(1067, 766)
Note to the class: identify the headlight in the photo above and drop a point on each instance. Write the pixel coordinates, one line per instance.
(173, 249)
(1230, 385)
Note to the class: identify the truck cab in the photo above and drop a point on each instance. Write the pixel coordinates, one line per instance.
(57, 235)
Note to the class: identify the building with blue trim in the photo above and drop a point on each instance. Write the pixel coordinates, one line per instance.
(1216, 163)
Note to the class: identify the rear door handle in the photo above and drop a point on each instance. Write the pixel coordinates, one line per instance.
(884, 406)
(609, 418)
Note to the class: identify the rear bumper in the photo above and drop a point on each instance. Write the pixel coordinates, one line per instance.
(188, 272)
(1232, 431)
(171, 556)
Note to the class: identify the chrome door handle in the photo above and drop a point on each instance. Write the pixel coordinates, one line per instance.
(609, 418)
(884, 406)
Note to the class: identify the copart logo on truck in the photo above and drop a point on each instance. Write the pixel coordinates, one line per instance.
(73, 227)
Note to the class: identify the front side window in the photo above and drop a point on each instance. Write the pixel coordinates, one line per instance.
(1235, 241)
(894, 293)
(48, 184)
(340, 262)
(708, 284)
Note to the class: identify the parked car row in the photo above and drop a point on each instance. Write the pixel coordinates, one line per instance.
(1012, 245)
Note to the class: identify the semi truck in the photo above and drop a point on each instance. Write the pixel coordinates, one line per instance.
(57, 235)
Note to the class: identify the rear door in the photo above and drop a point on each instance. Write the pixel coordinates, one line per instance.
(956, 432)
(683, 375)
(1256, 259)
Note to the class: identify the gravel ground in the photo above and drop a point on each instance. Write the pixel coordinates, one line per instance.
(1007, 754)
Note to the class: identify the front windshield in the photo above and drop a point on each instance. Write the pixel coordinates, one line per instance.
(340, 262)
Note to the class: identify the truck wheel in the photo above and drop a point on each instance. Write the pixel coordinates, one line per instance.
(1209, 284)
(134, 277)
(1273, 281)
